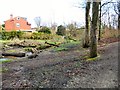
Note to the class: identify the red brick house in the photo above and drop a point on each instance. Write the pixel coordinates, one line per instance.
(17, 23)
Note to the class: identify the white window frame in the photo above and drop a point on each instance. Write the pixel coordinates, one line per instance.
(18, 18)
(17, 24)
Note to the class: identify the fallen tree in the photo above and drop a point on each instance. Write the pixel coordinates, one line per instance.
(43, 47)
(32, 56)
(13, 54)
(22, 45)
(51, 44)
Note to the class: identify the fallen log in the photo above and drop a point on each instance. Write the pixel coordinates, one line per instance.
(13, 54)
(32, 56)
(20, 45)
(43, 47)
(51, 44)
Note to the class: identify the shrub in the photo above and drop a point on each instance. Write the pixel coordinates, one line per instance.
(13, 34)
(27, 35)
(19, 34)
(61, 30)
(45, 30)
(110, 33)
(42, 36)
(10, 35)
(3, 35)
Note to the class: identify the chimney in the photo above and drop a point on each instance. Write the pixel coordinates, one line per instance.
(11, 16)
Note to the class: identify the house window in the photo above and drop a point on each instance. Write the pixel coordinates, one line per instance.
(17, 25)
(18, 18)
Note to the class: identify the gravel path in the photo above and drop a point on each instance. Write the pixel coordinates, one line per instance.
(66, 69)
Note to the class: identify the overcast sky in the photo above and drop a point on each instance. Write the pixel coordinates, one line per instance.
(50, 11)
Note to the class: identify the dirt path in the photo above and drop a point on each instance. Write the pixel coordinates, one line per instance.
(101, 73)
(64, 69)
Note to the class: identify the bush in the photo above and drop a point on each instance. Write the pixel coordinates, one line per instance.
(45, 30)
(10, 35)
(2, 35)
(61, 30)
(27, 35)
(42, 36)
(110, 33)
(13, 34)
(20, 34)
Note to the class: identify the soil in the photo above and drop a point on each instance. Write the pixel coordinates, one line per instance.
(65, 69)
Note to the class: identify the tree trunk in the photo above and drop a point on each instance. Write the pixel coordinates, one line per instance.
(87, 26)
(118, 22)
(109, 23)
(13, 54)
(118, 6)
(93, 43)
(99, 33)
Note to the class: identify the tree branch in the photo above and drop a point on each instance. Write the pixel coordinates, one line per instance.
(106, 3)
(104, 13)
(115, 9)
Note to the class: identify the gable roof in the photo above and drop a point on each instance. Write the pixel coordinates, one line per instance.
(16, 18)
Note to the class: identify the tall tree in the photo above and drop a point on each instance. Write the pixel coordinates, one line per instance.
(87, 25)
(118, 6)
(117, 10)
(101, 14)
(99, 32)
(38, 22)
(72, 28)
(93, 43)
(113, 17)
(61, 30)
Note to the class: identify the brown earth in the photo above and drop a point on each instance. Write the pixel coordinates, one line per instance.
(65, 69)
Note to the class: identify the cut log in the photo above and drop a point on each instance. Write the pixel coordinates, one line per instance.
(14, 54)
(43, 47)
(52, 44)
(32, 56)
(20, 45)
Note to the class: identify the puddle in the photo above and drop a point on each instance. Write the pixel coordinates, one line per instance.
(28, 53)
(7, 58)
(3, 59)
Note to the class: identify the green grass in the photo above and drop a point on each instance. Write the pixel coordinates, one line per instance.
(11, 51)
(2, 70)
(28, 49)
(67, 45)
(70, 43)
(61, 49)
(40, 41)
(9, 60)
(5, 41)
(92, 59)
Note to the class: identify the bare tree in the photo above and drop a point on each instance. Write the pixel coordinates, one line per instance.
(53, 26)
(109, 22)
(118, 15)
(93, 43)
(38, 22)
(99, 33)
(72, 29)
(117, 11)
(114, 21)
(102, 14)
(87, 25)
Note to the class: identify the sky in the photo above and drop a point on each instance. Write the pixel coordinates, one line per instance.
(50, 11)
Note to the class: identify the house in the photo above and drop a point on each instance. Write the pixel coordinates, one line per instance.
(17, 23)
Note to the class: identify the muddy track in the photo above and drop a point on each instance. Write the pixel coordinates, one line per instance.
(66, 69)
